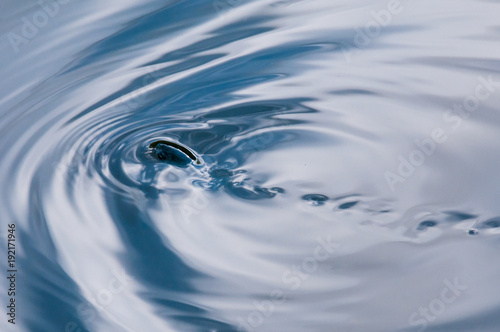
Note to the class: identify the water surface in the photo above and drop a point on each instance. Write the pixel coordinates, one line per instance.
(345, 170)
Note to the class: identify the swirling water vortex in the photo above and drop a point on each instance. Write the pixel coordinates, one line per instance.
(295, 124)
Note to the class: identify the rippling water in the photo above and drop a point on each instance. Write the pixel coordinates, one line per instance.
(329, 165)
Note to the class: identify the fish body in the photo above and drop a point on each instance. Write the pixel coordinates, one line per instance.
(173, 153)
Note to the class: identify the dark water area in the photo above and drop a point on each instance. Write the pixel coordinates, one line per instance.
(232, 165)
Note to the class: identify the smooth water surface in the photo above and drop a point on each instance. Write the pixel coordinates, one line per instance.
(332, 165)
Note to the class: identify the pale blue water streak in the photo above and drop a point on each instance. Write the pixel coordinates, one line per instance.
(345, 174)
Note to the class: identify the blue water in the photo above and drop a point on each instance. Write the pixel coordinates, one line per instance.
(330, 166)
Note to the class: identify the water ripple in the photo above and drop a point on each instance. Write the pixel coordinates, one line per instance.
(251, 165)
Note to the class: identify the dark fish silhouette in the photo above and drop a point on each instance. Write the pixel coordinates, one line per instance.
(173, 153)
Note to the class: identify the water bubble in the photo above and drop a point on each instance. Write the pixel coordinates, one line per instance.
(492, 223)
(315, 199)
(426, 224)
(278, 190)
(347, 205)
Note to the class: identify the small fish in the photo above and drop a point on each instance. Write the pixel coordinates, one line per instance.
(173, 153)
